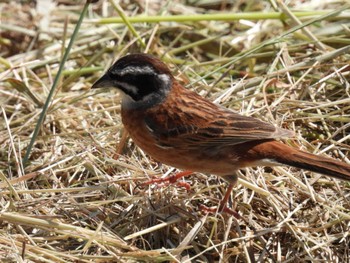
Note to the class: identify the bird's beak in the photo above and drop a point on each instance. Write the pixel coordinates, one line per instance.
(104, 82)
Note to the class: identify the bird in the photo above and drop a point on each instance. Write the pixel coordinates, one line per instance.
(180, 128)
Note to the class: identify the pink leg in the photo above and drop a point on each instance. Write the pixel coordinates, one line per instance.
(171, 180)
(223, 204)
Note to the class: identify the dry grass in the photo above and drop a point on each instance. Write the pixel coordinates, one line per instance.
(79, 199)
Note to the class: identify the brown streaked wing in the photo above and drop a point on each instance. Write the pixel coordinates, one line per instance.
(206, 125)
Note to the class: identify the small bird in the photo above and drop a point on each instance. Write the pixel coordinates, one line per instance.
(180, 128)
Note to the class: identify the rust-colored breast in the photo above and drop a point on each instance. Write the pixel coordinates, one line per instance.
(189, 132)
(178, 110)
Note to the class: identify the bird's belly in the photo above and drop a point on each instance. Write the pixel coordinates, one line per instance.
(193, 160)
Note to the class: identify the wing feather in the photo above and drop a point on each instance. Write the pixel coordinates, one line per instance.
(207, 126)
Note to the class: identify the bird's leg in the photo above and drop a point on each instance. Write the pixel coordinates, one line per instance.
(223, 204)
(171, 180)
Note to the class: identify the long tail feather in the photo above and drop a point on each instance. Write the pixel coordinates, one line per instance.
(283, 154)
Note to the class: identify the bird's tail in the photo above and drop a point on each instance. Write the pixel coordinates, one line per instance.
(283, 154)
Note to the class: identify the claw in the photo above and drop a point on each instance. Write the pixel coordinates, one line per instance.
(171, 180)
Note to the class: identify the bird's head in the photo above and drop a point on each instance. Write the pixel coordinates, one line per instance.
(143, 78)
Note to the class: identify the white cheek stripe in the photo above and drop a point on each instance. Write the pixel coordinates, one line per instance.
(127, 86)
(163, 77)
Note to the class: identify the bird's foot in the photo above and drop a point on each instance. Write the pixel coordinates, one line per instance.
(172, 179)
(223, 204)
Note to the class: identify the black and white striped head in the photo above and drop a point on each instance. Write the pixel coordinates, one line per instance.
(145, 79)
